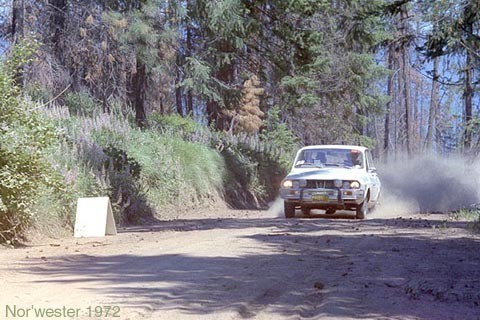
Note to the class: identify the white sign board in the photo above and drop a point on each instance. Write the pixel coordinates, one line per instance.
(94, 218)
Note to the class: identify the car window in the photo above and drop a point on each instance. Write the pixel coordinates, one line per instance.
(349, 158)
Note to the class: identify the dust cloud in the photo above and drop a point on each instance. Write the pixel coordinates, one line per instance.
(428, 184)
(275, 209)
(424, 184)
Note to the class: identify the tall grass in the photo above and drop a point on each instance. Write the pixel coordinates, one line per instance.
(173, 164)
(142, 171)
(472, 215)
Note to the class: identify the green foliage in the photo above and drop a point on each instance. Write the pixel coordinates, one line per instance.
(300, 91)
(450, 27)
(146, 171)
(142, 32)
(471, 214)
(142, 171)
(174, 124)
(81, 103)
(174, 171)
(202, 168)
(20, 55)
(227, 19)
(254, 169)
(199, 80)
(365, 141)
(37, 93)
(52, 214)
(253, 175)
(24, 138)
(280, 137)
(331, 72)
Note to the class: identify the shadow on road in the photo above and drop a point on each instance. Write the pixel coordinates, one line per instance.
(317, 221)
(314, 268)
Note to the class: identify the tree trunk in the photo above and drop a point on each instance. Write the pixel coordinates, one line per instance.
(433, 107)
(416, 117)
(225, 74)
(391, 66)
(468, 96)
(469, 19)
(138, 84)
(178, 89)
(189, 54)
(438, 128)
(18, 18)
(58, 8)
(18, 25)
(212, 113)
(138, 87)
(421, 111)
(406, 81)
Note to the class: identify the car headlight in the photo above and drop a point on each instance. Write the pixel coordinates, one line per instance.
(346, 185)
(338, 183)
(302, 183)
(354, 184)
(287, 184)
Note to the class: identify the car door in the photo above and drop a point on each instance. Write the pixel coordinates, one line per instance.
(373, 177)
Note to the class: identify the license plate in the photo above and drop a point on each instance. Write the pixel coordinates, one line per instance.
(320, 197)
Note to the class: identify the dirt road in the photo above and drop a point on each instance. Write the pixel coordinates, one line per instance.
(252, 265)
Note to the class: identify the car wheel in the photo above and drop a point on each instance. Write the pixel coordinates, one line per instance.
(362, 209)
(306, 211)
(330, 211)
(289, 209)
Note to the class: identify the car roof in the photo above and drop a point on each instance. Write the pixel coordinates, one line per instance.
(335, 146)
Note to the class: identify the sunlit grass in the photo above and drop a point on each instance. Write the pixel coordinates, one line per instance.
(142, 171)
(471, 215)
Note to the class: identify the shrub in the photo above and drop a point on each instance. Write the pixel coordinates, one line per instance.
(175, 171)
(38, 93)
(171, 164)
(143, 171)
(253, 176)
(80, 103)
(472, 215)
(174, 123)
(93, 163)
(24, 138)
(281, 139)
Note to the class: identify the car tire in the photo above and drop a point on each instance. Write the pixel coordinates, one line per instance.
(289, 209)
(306, 211)
(362, 209)
(330, 211)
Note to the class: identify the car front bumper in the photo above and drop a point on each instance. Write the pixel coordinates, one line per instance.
(323, 197)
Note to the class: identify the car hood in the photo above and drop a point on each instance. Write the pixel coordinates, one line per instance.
(327, 174)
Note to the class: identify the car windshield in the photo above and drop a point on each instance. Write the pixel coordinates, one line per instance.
(346, 158)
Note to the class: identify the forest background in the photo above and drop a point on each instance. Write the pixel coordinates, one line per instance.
(177, 104)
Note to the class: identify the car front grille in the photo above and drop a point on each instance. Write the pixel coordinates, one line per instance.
(320, 184)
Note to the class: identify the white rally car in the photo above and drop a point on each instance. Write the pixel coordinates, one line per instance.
(330, 178)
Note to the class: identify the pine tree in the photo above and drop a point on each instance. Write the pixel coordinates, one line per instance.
(453, 34)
